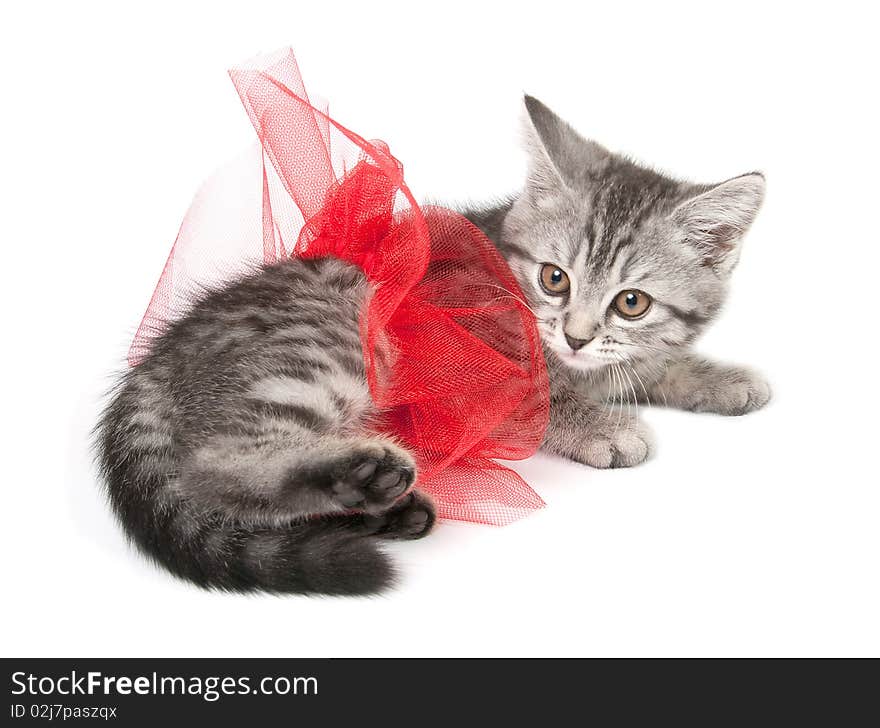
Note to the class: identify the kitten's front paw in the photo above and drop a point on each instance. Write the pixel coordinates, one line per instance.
(731, 391)
(613, 443)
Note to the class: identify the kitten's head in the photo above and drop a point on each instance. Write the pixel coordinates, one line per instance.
(619, 262)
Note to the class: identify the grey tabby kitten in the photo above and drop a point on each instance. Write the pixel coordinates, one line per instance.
(238, 454)
(623, 268)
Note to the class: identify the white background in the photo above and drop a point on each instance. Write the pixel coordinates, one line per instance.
(747, 536)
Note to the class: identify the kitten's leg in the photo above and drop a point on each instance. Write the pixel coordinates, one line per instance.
(410, 517)
(299, 446)
(283, 475)
(584, 431)
(222, 522)
(699, 385)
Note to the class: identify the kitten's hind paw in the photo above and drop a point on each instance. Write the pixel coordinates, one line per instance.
(411, 517)
(372, 476)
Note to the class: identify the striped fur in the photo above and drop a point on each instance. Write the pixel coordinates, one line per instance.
(613, 225)
(238, 455)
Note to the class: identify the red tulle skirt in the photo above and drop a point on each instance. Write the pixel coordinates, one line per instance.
(452, 353)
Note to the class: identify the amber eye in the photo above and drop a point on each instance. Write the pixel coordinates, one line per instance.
(554, 280)
(632, 304)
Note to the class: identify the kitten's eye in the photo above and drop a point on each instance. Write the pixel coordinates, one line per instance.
(554, 280)
(632, 304)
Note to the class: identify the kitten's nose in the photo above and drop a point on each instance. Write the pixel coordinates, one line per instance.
(576, 344)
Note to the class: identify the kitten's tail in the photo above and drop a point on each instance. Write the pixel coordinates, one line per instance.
(321, 556)
(309, 557)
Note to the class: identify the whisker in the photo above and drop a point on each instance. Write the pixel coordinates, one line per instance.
(511, 295)
(612, 394)
(619, 379)
(652, 365)
(641, 383)
(632, 388)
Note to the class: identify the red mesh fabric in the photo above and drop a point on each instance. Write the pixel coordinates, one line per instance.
(452, 353)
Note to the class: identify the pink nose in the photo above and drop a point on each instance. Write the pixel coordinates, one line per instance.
(576, 344)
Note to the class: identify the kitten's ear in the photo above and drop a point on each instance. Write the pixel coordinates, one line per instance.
(715, 220)
(558, 155)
